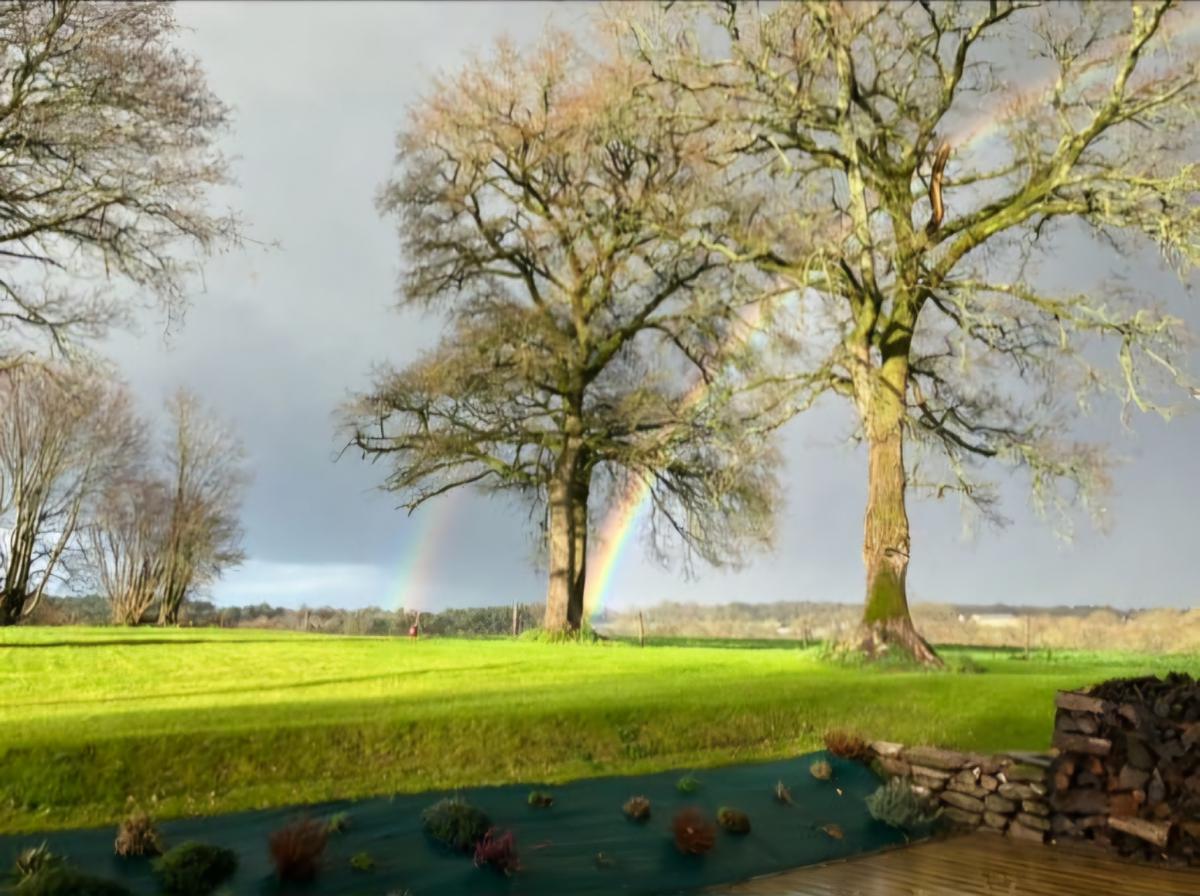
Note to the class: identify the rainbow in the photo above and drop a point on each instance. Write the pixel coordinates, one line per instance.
(616, 530)
(414, 574)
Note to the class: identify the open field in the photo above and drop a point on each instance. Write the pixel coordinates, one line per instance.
(199, 721)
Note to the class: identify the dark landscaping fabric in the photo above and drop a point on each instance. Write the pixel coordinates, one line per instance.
(581, 845)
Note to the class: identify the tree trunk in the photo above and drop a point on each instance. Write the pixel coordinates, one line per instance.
(567, 540)
(12, 602)
(886, 623)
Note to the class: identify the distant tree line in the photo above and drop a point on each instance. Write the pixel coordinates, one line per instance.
(95, 609)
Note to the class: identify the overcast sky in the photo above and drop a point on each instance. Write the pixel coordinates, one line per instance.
(279, 337)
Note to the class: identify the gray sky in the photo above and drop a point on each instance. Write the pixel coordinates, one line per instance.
(279, 337)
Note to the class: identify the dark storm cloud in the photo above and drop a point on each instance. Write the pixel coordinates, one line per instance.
(280, 337)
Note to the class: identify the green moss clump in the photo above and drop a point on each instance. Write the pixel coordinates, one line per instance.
(62, 881)
(896, 805)
(194, 869)
(338, 823)
(455, 823)
(362, 861)
(688, 784)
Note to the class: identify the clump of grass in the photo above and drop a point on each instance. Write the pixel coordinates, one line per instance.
(783, 794)
(297, 850)
(63, 881)
(821, 770)
(137, 836)
(362, 861)
(194, 869)
(688, 784)
(896, 805)
(498, 850)
(455, 823)
(539, 799)
(733, 820)
(846, 745)
(34, 860)
(338, 823)
(637, 808)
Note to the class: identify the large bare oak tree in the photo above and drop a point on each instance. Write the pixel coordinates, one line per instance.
(917, 179)
(594, 339)
(108, 161)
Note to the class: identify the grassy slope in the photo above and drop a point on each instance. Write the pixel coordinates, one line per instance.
(201, 721)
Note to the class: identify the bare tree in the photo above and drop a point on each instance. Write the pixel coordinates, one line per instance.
(108, 158)
(559, 222)
(127, 545)
(917, 247)
(206, 472)
(64, 432)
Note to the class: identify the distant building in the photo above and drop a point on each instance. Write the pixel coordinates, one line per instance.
(996, 620)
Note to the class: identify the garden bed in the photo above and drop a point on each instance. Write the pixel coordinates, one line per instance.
(581, 844)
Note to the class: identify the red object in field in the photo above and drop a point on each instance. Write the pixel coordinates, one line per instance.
(413, 632)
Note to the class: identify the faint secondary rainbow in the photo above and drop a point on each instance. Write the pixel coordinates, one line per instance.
(617, 529)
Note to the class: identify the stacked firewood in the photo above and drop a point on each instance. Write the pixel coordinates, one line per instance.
(1128, 770)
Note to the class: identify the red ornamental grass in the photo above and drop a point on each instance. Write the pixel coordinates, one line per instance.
(297, 848)
(694, 834)
(498, 850)
(847, 745)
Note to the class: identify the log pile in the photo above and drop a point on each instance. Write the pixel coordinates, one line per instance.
(1128, 770)
(1002, 794)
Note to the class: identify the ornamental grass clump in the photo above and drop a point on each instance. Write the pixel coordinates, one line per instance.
(637, 808)
(896, 805)
(498, 850)
(821, 770)
(194, 869)
(297, 850)
(34, 860)
(137, 836)
(694, 834)
(733, 820)
(455, 823)
(847, 745)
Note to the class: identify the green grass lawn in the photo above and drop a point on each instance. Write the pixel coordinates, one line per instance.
(199, 721)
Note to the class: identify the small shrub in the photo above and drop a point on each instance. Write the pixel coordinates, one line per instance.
(694, 835)
(846, 745)
(896, 805)
(733, 820)
(362, 861)
(455, 823)
(194, 869)
(821, 770)
(782, 794)
(297, 849)
(137, 836)
(34, 860)
(338, 823)
(540, 799)
(62, 881)
(688, 784)
(498, 850)
(637, 808)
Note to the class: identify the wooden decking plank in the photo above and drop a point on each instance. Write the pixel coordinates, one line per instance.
(977, 865)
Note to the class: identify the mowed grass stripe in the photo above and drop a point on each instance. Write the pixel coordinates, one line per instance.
(204, 721)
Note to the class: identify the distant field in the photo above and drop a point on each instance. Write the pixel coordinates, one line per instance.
(199, 721)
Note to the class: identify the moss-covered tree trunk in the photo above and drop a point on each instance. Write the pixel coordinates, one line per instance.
(567, 538)
(886, 623)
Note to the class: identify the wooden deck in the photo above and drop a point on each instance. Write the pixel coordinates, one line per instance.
(977, 865)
